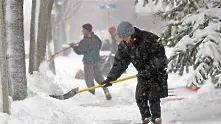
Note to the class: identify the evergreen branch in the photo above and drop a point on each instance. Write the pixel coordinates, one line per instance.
(196, 46)
(194, 4)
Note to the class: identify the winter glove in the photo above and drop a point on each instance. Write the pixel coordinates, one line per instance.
(72, 45)
(106, 83)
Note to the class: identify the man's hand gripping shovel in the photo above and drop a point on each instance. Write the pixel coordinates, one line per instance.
(75, 91)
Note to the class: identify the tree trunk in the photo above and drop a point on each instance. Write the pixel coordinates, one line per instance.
(55, 34)
(50, 49)
(64, 35)
(42, 32)
(15, 51)
(32, 50)
(3, 60)
(58, 26)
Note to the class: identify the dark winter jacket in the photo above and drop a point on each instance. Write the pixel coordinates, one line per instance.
(90, 47)
(148, 57)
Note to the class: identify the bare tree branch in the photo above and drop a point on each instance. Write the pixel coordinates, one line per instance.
(75, 9)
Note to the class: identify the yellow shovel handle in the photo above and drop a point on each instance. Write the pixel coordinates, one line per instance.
(112, 82)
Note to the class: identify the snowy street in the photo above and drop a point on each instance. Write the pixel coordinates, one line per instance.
(84, 108)
(89, 35)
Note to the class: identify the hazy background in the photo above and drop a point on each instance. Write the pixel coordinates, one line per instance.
(90, 12)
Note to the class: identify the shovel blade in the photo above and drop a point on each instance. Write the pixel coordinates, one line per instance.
(67, 95)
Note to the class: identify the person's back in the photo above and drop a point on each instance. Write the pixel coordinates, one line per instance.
(90, 47)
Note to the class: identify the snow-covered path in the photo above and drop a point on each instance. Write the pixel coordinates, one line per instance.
(84, 108)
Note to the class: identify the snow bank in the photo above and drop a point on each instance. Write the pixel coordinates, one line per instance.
(38, 110)
(202, 107)
(39, 84)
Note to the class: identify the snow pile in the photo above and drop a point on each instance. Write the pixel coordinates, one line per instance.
(38, 110)
(202, 107)
(39, 84)
(43, 68)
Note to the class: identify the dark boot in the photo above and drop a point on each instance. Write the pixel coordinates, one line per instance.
(157, 121)
(146, 121)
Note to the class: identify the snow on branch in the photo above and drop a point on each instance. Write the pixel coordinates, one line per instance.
(197, 42)
(145, 2)
(178, 9)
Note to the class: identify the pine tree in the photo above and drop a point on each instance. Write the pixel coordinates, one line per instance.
(194, 34)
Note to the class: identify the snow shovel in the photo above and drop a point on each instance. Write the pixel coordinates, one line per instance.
(75, 91)
(58, 52)
(179, 93)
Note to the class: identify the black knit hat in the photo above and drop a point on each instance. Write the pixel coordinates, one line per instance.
(87, 26)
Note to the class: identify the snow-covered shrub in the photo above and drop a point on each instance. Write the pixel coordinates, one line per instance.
(197, 42)
(194, 33)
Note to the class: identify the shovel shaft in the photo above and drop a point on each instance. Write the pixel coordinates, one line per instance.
(58, 52)
(113, 82)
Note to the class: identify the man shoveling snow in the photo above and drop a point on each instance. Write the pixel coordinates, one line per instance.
(90, 47)
(148, 57)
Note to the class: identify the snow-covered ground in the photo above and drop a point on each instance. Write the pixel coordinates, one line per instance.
(203, 107)
(84, 108)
